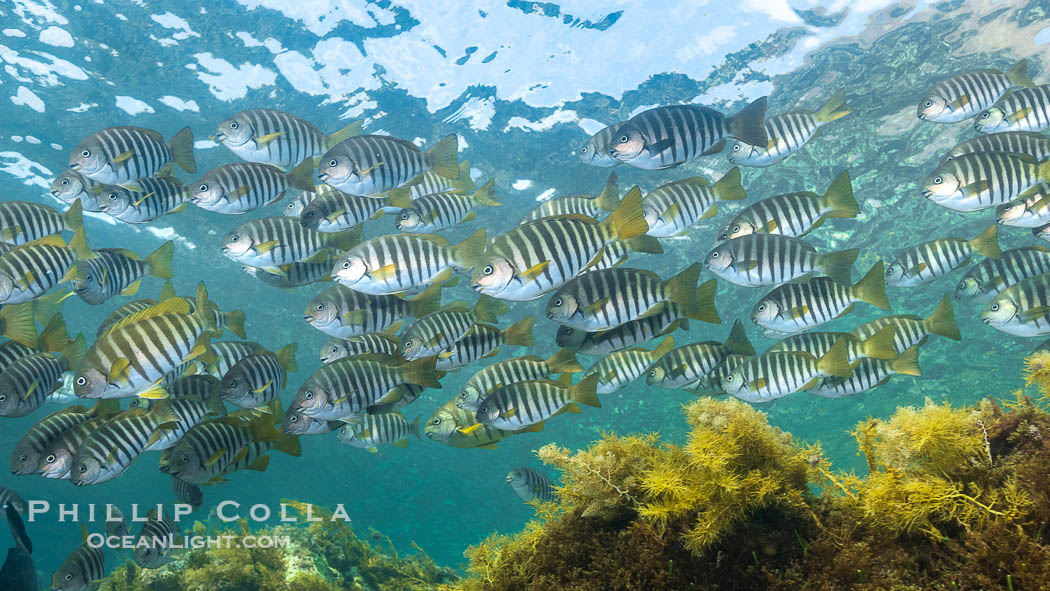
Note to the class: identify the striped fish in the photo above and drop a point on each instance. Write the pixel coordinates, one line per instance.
(973, 182)
(395, 400)
(80, 570)
(348, 386)
(336, 211)
(134, 356)
(118, 271)
(246, 186)
(429, 335)
(190, 411)
(12, 350)
(123, 155)
(430, 183)
(1042, 232)
(154, 545)
(17, 323)
(29, 380)
(56, 461)
(125, 310)
(27, 453)
(798, 306)
(187, 493)
(447, 423)
(615, 253)
(1031, 143)
(484, 340)
(159, 196)
(369, 164)
(70, 185)
(594, 207)
(770, 376)
(226, 354)
(687, 365)
(226, 445)
(109, 450)
(371, 431)
(277, 138)
(602, 300)
(794, 214)
(297, 423)
(31, 270)
(530, 484)
(1026, 109)
(10, 498)
(671, 209)
(341, 312)
(712, 382)
(528, 404)
(377, 343)
(259, 378)
(295, 274)
(788, 132)
(511, 371)
(869, 373)
(1031, 209)
(965, 95)
(24, 221)
(922, 264)
(431, 213)
(595, 152)
(269, 243)
(625, 336)
(877, 346)
(990, 277)
(398, 262)
(297, 204)
(1022, 309)
(665, 137)
(541, 256)
(755, 260)
(910, 329)
(617, 370)
(194, 386)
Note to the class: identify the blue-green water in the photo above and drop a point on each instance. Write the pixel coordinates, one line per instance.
(523, 85)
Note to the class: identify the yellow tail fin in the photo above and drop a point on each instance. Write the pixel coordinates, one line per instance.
(429, 300)
(287, 358)
(627, 220)
(159, 261)
(681, 289)
(182, 150)
(835, 362)
(1018, 75)
(16, 323)
(235, 322)
(353, 129)
(489, 309)
(443, 157)
(942, 321)
(871, 288)
(737, 342)
(880, 344)
(609, 198)
(728, 188)
(420, 372)
(835, 108)
(564, 361)
(908, 362)
(662, 349)
(839, 265)
(302, 176)
(586, 391)
(54, 337)
(987, 243)
(74, 217)
(470, 251)
(486, 195)
(839, 198)
(519, 333)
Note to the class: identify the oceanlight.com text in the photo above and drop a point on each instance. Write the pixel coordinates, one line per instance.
(187, 542)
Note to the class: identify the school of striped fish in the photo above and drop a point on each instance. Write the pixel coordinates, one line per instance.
(215, 407)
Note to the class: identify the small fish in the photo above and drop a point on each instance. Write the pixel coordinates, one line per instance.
(377, 343)
(118, 271)
(9, 498)
(712, 382)
(370, 164)
(616, 252)
(964, 95)
(1030, 210)
(973, 182)
(297, 423)
(159, 196)
(226, 354)
(111, 448)
(447, 423)
(755, 260)
(794, 214)
(910, 329)
(431, 183)
(877, 346)
(1030, 143)
(27, 453)
(189, 411)
(528, 404)
(30, 270)
(274, 137)
(153, 547)
(29, 380)
(1022, 309)
(688, 365)
(603, 300)
(295, 206)
(348, 386)
(22, 222)
(1025, 109)
(371, 431)
(57, 458)
(398, 262)
(81, 569)
(530, 484)
(617, 370)
(788, 132)
(595, 152)
(869, 373)
(269, 243)
(624, 336)
(295, 274)
(431, 213)
(241, 187)
(672, 208)
(990, 277)
(594, 207)
(123, 155)
(511, 371)
(798, 306)
(258, 379)
(484, 340)
(665, 137)
(922, 264)
(70, 185)
(336, 211)
(341, 312)
(439, 330)
(770, 376)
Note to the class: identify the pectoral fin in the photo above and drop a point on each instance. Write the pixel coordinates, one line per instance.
(215, 457)
(535, 271)
(385, 272)
(265, 247)
(263, 388)
(123, 157)
(266, 139)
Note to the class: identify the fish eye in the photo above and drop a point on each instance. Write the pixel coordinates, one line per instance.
(583, 150)
(234, 125)
(404, 216)
(729, 378)
(652, 373)
(623, 139)
(232, 384)
(112, 196)
(714, 254)
(88, 278)
(335, 349)
(320, 308)
(85, 153)
(332, 162)
(343, 431)
(69, 577)
(566, 330)
(234, 238)
(408, 344)
(346, 264)
(309, 395)
(82, 468)
(50, 459)
(308, 214)
(203, 187)
(437, 421)
(889, 271)
(736, 147)
(985, 115)
(761, 307)
(81, 381)
(938, 180)
(65, 181)
(23, 459)
(185, 458)
(558, 302)
(3, 397)
(928, 103)
(488, 270)
(995, 307)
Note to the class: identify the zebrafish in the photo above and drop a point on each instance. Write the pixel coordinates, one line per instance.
(530, 484)
(788, 132)
(595, 151)
(910, 329)
(429, 335)
(1025, 109)
(794, 214)
(246, 186)
(798, 306)
(348, 386)
(118, 271)
(594, 207)
(156, 541)
(258, 379)
(398, 262)
(990, 277)
(370, 431)
(341, 312)
(484, 340)
(674, 207)
(336, 211)
(447, 423)
(973, 182)
(770, 376)
(269, 243)
(109, 450)
(869, 373)
(431, 213)
(877, 346)
(27, 453)
(665, 137)
(30, 270)
(123, 155)
(1031, 143)
(602, 300)
(529, 404)
(755, 260)
(70, 186)
(81, 569)
(377, 343)
(1023, 309)
(624, 336)
(274, 137)
(158, 196)
(226, 354)
(297, 423)
(511, 371)
(1031, 209)
(618, 369)
(964, 95)
(369, 164)
(22, 222)
(295, 274)
(688, 365)
(923, 263)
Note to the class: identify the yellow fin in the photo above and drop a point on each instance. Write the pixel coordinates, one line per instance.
(122, 157)
(132, 289)
(471, 429)
(535, 271)
(266, 139)
(264, 387)
(596, 306)
(119, 370)
(265, 247)
(385, 272)
(154, 392)
(215, 457)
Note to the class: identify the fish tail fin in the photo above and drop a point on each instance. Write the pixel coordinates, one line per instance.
(609, 198)
(46, 306)
(681, 289)
(443, 157)
(159, 261)
(839, 197)
(520, 333)
(705, 303)
(662, 349)
(213, 401)
(54, 338)
(586, 391)
(737, 341)
(302, 176)
(17, 322)
(79, 245)
(839, 265)
(987, 243)
(286, 356)
(74, 352)
(728, 188)
(1018, 75)
(464, 184)
(564, 361)
(871, 288)
(836, 361)
(235, 322)
(835, 108)
(353, 129)
(880, 344)
(166, 291)
(106, 408)
(74, 217)
(908, 362)
(420, 372)
(489, 309)
(645, 243)
(486, 195)
(942, 321)
(748, 125)
(400, 197)
(427, 301)
(470, 251)
(204, 313)
(182, 150)
(413, 427)
(627, 220)
(347, 239)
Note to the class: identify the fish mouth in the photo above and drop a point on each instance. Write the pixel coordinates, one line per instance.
(74, 165)
(987, 321)
(219, 137)
(324, 176)
(926, 193)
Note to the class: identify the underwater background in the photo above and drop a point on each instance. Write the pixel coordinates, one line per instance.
(523, 85)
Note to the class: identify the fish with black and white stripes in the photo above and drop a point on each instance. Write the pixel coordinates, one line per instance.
(123, 155)
(1025, 109)
(788, 132)
(274, 137)
(965, 95)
